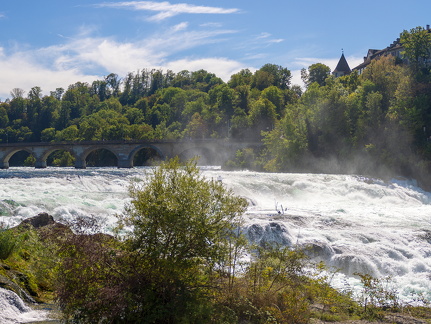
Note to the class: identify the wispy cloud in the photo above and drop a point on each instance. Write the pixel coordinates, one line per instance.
(260, 41)
(22, 70)
(87, 58)
(180, 26)
(166, 9)
(221, 66)
(305, 62)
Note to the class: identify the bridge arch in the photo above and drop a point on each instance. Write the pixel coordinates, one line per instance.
(45, 155)
(12, 152)
(158, 152)
(81, 159)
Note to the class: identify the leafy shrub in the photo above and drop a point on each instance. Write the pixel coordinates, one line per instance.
(167, 268)
(377, 295)
(8, 243)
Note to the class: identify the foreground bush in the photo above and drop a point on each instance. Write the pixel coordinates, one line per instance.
(8, 243)
(174, 247)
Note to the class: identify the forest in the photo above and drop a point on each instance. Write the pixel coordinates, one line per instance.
(376, 123)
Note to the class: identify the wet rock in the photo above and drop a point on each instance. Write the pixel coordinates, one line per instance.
(255, 233)
(43, 219)
(320, 251)
(270, 233)
(8, 284)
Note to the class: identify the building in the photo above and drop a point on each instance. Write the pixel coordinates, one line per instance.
(395, 49)
(342, 67)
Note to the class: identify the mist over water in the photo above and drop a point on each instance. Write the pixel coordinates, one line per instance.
(352, 223)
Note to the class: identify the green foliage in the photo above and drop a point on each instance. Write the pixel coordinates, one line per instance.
(245, 159)
(317, 72)
(8, 243)
(31, 261)
(180, 219)
(181, 230)
(61, 158)
(377, 294)
(417, 45)
(30, 160)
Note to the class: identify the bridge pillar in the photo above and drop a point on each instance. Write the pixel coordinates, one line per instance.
(125, 163)
(4, 165)
(80, 164)
(40, 164)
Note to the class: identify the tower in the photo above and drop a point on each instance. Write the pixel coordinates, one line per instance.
(342, 67)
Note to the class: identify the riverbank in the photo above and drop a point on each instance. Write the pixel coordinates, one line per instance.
(19, 274)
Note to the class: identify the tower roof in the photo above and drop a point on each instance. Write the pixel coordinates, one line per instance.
(342, 66)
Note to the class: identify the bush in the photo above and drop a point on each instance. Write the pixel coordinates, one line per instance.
(8, 243)
(167, 264)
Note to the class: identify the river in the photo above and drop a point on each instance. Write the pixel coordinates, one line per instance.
(354, 223)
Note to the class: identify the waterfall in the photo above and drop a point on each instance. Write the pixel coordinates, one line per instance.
(354, 224)
(14, 310)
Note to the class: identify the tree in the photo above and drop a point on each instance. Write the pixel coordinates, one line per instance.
(280, 76)
(182, 224)
(196, 128)
(17, 93)
(275, 95)
(70, 133)
(316, 73)
(262, 116)
(4, 119)
(243, 77)
(113, 83)
(179, 226)
(286, 143)
(417, 45)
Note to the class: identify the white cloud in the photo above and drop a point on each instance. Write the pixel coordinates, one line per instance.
(166, 10)
(222, 67)
(19, 70)
(85, 58)
(263, 35)
(256, 43)
(180, 26)
(211, 25)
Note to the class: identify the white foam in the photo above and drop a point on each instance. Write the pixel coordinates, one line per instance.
(368, 224)
(14, 310)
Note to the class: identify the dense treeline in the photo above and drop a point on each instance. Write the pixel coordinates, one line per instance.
(374, 122)
(151, 105)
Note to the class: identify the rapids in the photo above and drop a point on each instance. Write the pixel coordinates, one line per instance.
(13, 309)
(352, 223)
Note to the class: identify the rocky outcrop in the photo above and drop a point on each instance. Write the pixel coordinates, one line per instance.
(43, 219)
(46, 226)
(8, 284)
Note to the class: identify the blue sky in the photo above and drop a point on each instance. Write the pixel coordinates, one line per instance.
(55, 43)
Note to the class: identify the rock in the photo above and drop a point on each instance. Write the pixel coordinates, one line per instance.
(43, 219)
(46, 226)
(8, 284)
(271, 233)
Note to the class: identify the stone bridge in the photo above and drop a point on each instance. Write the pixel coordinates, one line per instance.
(215, 151)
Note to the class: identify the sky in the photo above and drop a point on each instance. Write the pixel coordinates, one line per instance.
(56, 43)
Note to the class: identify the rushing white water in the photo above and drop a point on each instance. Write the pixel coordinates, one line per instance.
(13, 310)
(354, 224)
